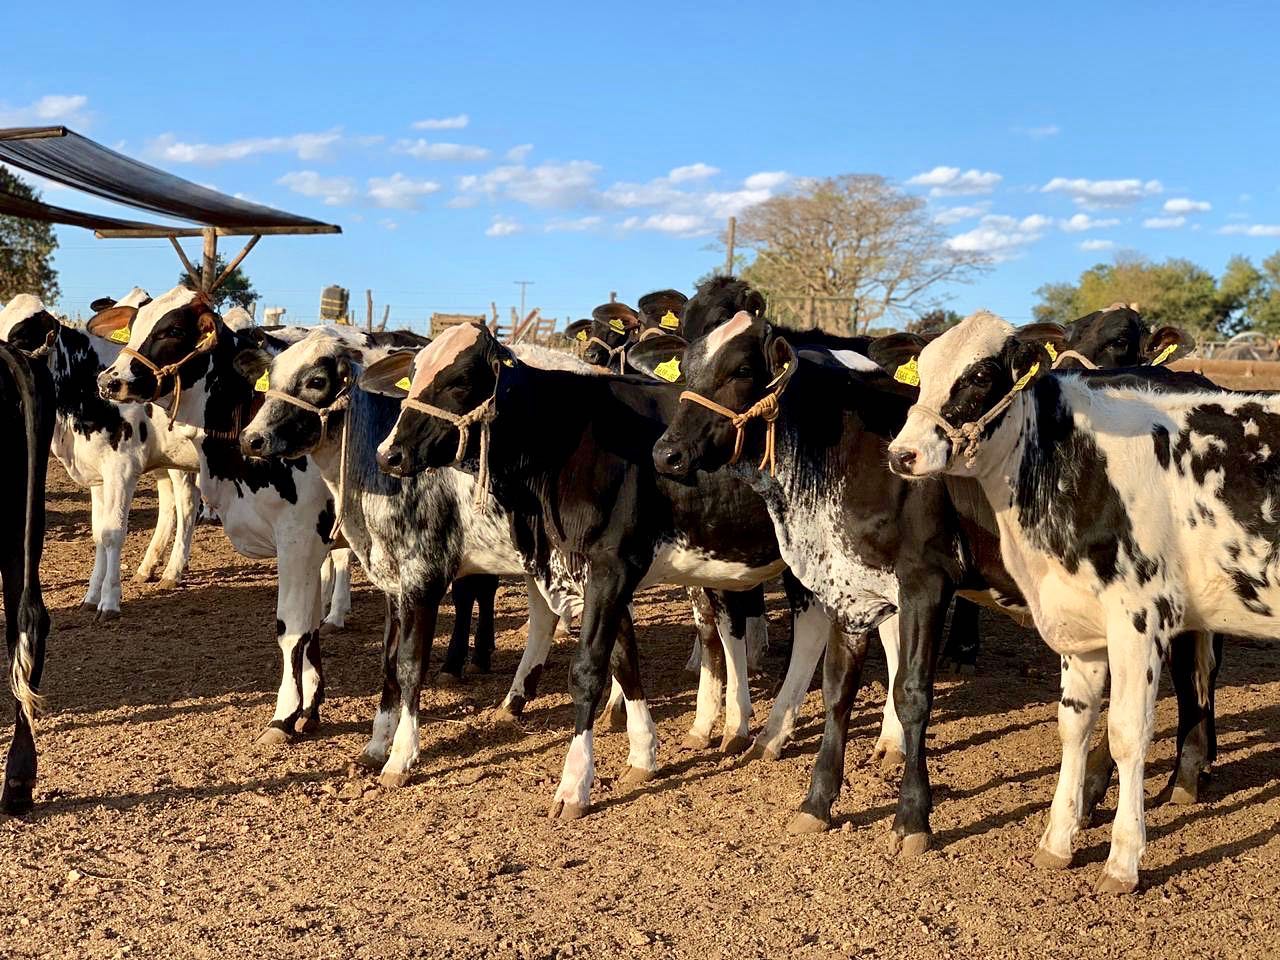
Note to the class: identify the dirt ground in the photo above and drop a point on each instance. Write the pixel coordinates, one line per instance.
(161, 831)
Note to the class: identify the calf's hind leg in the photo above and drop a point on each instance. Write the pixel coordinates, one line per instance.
(163, 531)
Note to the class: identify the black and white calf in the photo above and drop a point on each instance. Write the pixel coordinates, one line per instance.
(107, 447)
(25, 389)
(414, 536)
(1126, 516)
(180, 352)
(861, 539)
(569, 457)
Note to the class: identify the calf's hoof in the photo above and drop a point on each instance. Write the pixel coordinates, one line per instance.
(910, 846)
(88, 605)
(1184, 796)
(762, 750)
(143, 576)
(566, 811)
(694, 741)
(803, 823)
(106, 616)
(445, 679)
(307, 724)
(17, 797)
(365, 763)
(1109, 884)
(272, 737)
(504, 713)
(168, 583)
(1048, 860)
(636, 775)
(734, 744)
(393, 780)
(890, 758)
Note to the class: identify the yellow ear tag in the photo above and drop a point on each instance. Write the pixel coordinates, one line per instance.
(508, 363)
(1026, 377)
(617, 326)
(1164, 354)
(263, 384)
(669, 321)
(668, 371)
(908, 373)
(582, 334)
(404, 384)
(1053, 354)
(119, 336)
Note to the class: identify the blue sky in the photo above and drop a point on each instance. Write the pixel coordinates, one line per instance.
(598, 147)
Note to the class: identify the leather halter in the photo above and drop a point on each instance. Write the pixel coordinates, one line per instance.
(483, 415)
(766, 408)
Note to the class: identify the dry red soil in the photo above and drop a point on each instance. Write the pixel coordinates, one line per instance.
(162, 831)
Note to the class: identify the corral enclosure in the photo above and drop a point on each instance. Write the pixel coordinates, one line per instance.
(162, 831)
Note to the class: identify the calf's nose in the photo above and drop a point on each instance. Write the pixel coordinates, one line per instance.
(669, 458)
(111, 388)
(253, 444)
(391, 460)
(902, 461)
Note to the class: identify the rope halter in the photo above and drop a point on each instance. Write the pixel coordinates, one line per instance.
(483, 415)
(766, 408)
(204, 345)
(651, 332)
(620, 351)
(966, 438)
(340, 402)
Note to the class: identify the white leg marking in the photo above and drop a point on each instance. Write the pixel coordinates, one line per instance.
(1084, 678)
(737, 703)
(579, 773)
(163, 531)
(642, 735)
(186, 501)
(892, 741)
(811, 631)
(542, 626)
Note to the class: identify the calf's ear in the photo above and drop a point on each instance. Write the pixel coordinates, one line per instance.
(780, 356)
(110, 323)
(660, 357)
(1047, 340)
(752, 301)
(390, 376)
(895, 351)
(252, 363)
(1168, 344)
(578, 330)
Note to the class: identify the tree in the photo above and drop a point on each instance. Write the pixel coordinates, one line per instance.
(855, 238)
(25, 249)
(235, 291)
(1176, 292)
(935, 321)
(1251, 297)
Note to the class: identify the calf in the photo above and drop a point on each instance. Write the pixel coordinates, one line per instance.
(179, 350)
(1126, 516)
(26, 389)
(414, 536)
(862, 540)
(570, 458)
(107, 447)
(607, 335)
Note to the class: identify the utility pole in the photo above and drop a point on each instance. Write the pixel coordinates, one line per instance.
(522, 284)
(728, 257)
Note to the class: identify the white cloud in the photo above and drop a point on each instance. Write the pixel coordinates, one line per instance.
(1252, 229)
(681, 224)
(503, 227)
(1183, 205)
(422, 150)
(651, 194)
(333, 190)
(307, 146)
(1001, 237)
(766, 180)
(1163, 223)
(388, 224)
(520, 153)
(1103, 193)
(551, 184)
(52, 108)
(722, 204)
(694, 171)
(399, 192)
(1096, 244)
(1041, 133)
(949, 215)
(578, 225)
(1080, 222)
(952, 182)
(443, 123)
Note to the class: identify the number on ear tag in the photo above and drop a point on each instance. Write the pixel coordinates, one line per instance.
(119, 336)
(669, 321)
(908, 373)
(263, 384)
(669, 370)
(404, 384)
(617, 326)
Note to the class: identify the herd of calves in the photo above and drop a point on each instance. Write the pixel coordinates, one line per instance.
(1065, 475)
